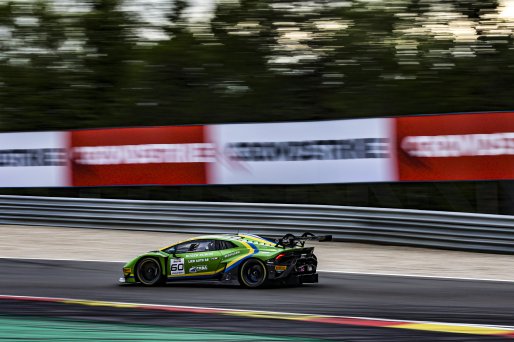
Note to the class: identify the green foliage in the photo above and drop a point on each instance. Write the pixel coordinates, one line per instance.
(253, 61)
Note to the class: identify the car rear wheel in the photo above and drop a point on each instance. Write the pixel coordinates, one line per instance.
(252, 273)
(148, 272)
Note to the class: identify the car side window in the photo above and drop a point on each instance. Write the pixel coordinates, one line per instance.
(183, 247)
(202, 246)
(225, 245)
(193, 246)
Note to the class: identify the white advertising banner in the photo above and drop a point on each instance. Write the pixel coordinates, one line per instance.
(342, 151)
(33, 159)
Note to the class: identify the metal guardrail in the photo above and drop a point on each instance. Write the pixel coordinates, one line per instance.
(449, 230)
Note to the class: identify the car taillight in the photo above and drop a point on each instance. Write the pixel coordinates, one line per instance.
(280, 256)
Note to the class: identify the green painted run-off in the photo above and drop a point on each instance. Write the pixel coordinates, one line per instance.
(45, 329)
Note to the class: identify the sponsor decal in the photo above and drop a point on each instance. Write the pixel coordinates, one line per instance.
(38, 159)
(33, 157)
(362, 148)
(141, 156)
(231, 254)
(456, 147)
(202, 254)
(177, 266)
(199, 260)
(341, 151)
(198, 268)
(145, 154)
(445, 146)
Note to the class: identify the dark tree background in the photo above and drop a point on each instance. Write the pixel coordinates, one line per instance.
(68, 64)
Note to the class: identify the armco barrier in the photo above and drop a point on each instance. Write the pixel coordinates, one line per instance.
(464, 231)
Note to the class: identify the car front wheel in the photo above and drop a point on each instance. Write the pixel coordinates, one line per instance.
(149, 272)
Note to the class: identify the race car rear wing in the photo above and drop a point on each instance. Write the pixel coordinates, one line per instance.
(291, 241)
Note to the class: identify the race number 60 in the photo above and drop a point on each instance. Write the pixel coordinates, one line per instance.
(177, 266)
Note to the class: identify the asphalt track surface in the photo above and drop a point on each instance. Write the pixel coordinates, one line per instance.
(385, 297)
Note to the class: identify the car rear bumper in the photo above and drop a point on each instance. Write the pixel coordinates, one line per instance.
(308, 278)
(306, 273)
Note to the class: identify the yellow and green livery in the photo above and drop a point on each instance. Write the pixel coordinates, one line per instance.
(245, 259)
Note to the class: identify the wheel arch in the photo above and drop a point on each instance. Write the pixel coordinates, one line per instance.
(246, 260)
(159, 258)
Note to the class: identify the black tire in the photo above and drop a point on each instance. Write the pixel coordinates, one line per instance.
(252, 273)
(148, 272)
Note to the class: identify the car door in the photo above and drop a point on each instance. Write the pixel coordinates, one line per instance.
(194, 258)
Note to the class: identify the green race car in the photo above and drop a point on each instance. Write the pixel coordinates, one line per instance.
(245, 259)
